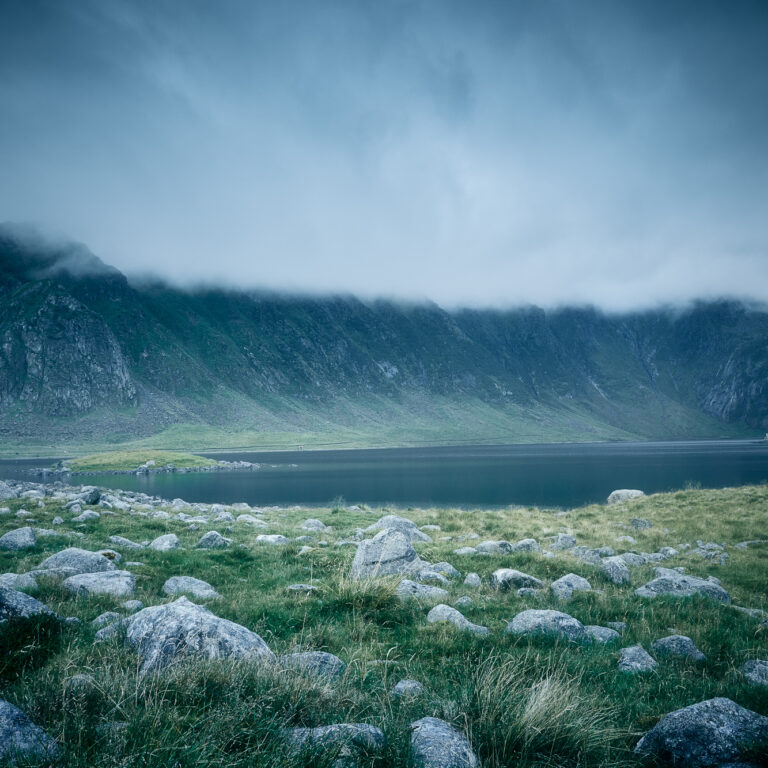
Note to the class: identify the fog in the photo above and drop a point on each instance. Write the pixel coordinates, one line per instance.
(485, 153)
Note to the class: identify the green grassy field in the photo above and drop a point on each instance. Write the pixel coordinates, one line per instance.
(127, 460)
(521, 701)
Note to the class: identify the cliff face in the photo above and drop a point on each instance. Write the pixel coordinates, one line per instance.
(76, 339)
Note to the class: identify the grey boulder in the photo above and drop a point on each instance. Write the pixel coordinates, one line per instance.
(408, 689)
(624, 494)
(115, 583)
(214, 540)
(20, 581)
(121, 541)
(272, 538)
(444, 613)
(756, 672)
(21, 740)
(709, 733)
(494, 547)
(314, 525)
(602, 635)
(562, 541)
(526, 545)
(564, 587)
(315, 663)
(178, 585)
(17, 540)
(165, 543)
(677, 646)
(407, 527)
(507, 578)
(670, 582)
(74, 560)
(472, 580)
(17, 605)
(388, 552)
(636, 659)
(346, 741)
(408, 589)
(165, 634)
(615, 570)
(437, 744)
(548, 622)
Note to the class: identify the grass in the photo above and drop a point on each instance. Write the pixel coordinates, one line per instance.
(523, 702)
(128, 460)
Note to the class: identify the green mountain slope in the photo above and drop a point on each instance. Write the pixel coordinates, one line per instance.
(87, 359)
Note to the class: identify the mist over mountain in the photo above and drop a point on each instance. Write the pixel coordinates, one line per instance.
(87, 357)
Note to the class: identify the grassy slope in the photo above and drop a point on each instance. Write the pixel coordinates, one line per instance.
(523, 702)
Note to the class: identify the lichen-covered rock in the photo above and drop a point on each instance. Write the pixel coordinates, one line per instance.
(548, 622)
(562, 542)
(115, 583)
(755, 672)
(526, 545)
(564, 587)
(17, 605)
(408, 528)
(494, 547)
(636, 659)
(315, 663)
(472, 580)
(18, 581)
(74, 560)
(446, 569)
(182, 630)
(640, 523)
(624, 494)
(615, 570)
(677, 646)
(408, 689)
(437, 744)
(507, 578)
(214, 540)
(21, 741)
(709, 733)
(165, 543)
(670, 582)
(388, 552)
(17, 540)
(444, 613)
(347, 741)
(602, 635)
(179, 585)
(408, 589)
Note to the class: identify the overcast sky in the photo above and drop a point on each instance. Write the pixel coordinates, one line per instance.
(470, 152)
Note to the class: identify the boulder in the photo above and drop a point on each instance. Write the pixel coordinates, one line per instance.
(494, 547)
(73, 561)
(632, 559)
(710, 733)
(640, 523)
(507, 578)
(437, 744)
(407, 527)
(315, 663)
(17, 540)
(17, 605)
(446, 569)
(345, 741)
(677, 646)
(314, 525)
(526, 545)
(120, 541)
(408, 589)
(21, 741)
(624, 494)
(388, 552)
(86, 516)
(562, 541)
(564, 587)
(115, 583)
(108, 617)
(463, 602)
(165, 543)
(548, 622)
(670, 582)
(615, 570)
(305, 588)
(602, 635)
(408, 689)
(272, 538)
(636, 659)
(755, 672)
(19, 581)
(467, 551)
(6, 492)
(472, 580)
(214, 540)
(444, 613)
(181, 630)
(178, 585)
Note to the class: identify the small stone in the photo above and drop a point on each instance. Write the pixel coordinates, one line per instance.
(314, 525)
(463, 602)
(444, 613)
(409, 589)
(640, 523)
(214, 540)
(315, 663)
(527, 592)
(472, 580)
(602, 635)
(564, 587)
(408, 689)
(165, 543)
(108, 617)
(84, 517)
(494, 547)
(526, 545)
(506, 578)
(636, 659)
(624, 494)
(273, 539)
(302, 588)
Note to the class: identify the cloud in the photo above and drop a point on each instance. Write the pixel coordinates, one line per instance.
(497, 153)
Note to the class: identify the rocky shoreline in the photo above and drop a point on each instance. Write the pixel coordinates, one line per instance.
(222, 466)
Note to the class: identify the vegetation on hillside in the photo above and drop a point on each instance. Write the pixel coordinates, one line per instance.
(127, 460)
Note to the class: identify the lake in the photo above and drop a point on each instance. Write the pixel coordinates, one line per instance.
(558, 475)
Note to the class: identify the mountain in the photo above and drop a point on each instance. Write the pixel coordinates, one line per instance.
(88, 358)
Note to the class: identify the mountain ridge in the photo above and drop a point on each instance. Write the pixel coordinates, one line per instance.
(88, 357)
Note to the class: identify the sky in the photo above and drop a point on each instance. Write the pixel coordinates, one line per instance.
(474, 153)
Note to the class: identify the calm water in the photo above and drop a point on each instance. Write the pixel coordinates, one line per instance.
(562, 475)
